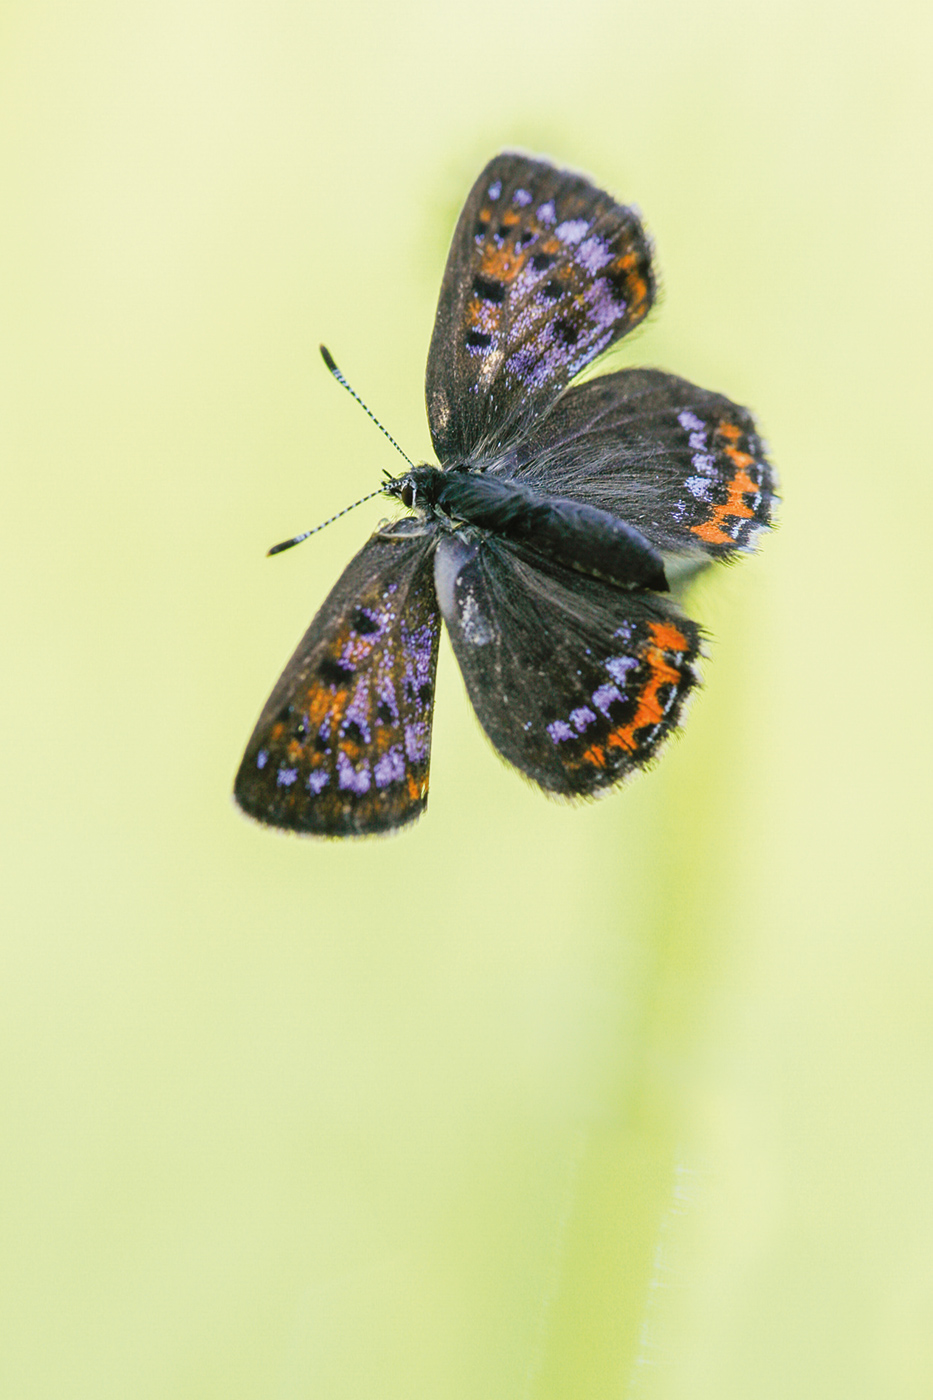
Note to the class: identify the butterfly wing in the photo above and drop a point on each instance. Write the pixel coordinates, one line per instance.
(684, 466)
(575, 681)
(342, 747)
(545, 271)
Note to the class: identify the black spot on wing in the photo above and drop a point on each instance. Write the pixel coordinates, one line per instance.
(489, 290)
(363, 622)
(334, 672)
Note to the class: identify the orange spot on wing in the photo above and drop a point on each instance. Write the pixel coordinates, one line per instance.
(665, 637)
(595, 755)
(321, 704)
(502, 264)
(636, 286)
(382, 740)
(668, 637)
(483, 316)
(734, 506)
(639, 293)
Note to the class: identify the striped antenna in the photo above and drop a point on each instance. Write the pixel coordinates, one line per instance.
(297, 539)
(328, 359)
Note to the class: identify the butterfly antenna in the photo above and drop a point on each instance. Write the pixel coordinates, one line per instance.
(290, 544)
(297, 539)
(329, 361)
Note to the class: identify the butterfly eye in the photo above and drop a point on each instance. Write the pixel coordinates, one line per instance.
(407, 495)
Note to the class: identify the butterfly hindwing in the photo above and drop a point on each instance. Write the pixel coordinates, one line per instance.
(684, 466)
(343, 744)
(544, 273)
(576, 682)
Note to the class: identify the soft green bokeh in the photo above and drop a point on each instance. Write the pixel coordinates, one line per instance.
(530, 1103)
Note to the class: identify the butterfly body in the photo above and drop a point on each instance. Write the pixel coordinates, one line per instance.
(543, 539)
(581, 536)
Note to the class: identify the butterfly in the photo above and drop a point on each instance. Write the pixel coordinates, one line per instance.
(544, 538)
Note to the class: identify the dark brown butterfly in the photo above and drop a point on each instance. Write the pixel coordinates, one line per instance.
(544, 538)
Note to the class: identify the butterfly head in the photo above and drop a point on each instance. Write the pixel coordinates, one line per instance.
(417, 489)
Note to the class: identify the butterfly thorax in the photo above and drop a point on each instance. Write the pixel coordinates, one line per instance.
(581, 537)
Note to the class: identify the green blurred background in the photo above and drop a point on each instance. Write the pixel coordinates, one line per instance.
(634, 1100)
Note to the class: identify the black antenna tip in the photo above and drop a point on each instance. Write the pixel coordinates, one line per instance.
(278, 548)
(328, 358)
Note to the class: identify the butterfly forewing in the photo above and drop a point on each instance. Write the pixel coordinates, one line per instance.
(545, 272)
(343, 745)
(683, 465)
(575, 681)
